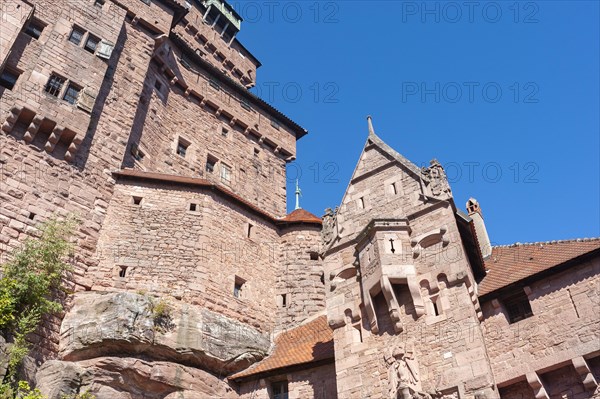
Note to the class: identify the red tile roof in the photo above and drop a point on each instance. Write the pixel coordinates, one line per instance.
(308, 343)
(509, 264)
(301, 216)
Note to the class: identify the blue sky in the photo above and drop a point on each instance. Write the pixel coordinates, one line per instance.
(504, 94)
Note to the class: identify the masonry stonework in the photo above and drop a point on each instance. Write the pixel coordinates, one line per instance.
(135, 116)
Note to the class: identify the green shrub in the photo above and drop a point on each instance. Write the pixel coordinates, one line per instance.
(161, 314)
(28, 287)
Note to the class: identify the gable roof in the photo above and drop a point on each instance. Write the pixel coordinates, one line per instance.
(309, 343)
(513, 263)
(377, 141)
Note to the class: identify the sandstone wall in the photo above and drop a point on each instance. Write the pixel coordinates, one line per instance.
(564, 325)
(237, 62)
(316, 383)
(171, 114)
(301, 278)
(445, 346)
(192, 255)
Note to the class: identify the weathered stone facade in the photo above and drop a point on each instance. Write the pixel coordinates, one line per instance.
(135, 116)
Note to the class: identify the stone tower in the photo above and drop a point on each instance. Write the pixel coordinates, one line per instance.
(401, 296)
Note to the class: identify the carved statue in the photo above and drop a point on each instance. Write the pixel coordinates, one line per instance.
(435, 176)
(403, 375)
(328, 231)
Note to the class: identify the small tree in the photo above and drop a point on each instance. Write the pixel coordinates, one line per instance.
(29, 284)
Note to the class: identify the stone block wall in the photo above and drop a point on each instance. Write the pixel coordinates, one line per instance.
(15, 15)
(301, 278)
(443, 343)
(234, 59)
(315, 382)
(195, 255)
(214, 128)
(564, 325)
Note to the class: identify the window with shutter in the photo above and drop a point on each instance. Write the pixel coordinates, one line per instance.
(104, 49)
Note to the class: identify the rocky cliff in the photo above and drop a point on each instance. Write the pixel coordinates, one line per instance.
(125, 345)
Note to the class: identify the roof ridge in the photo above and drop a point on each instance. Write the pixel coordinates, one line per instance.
(522, 244)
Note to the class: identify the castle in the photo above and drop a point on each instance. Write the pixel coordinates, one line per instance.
(135, 115)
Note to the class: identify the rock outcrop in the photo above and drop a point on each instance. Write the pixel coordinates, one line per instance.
(124, 344)
(128, 378)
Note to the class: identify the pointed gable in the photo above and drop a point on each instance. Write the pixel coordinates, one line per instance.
(384, 185)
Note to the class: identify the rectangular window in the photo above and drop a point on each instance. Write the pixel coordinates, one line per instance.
(91, 44)
(9, 78)
(280, 390)
(238, 287)
(518, 307)
(225, 173)
(361, 202)
(35, 28)
(224, 132)
(210, 164)
(72, 93)
(182, 147)
(76, 35)
(99, 3)
(137, 200)
(54, 85)
(284, 300)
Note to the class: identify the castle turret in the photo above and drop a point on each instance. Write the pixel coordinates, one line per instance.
(482, 236)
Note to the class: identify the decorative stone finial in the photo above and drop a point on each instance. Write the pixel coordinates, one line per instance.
(371, 130)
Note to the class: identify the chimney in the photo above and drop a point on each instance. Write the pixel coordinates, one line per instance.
(482, 236)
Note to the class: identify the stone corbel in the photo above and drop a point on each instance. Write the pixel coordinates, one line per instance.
(538, 388)
(392, 302)
(415, 293)
(33, 128)
(70, 155)
(587, 378)
(371, 313)
(53, 139)
(437, 235)
(11, 119)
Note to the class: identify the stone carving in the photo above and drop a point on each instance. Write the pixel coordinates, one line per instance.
(329, 221)
(435, 177)
(428, 239)
(403, 374)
